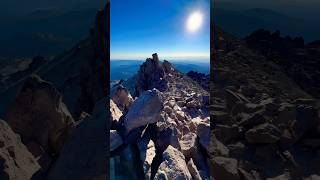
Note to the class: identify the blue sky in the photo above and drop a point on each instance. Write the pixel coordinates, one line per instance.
(142, 27)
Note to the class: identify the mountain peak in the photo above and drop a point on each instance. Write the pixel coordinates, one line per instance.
(151, 75)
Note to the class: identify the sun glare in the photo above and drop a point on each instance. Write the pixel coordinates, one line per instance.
(194, 21)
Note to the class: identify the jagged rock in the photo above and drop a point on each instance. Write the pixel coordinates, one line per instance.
(115, 140)
(226, 133)
(203, 132)
(217, 148)
(84, 154)
(115, 112)
(147, 154)
(248, 176)
(193, 170)
(167, 109)
(225, 168)
(122, 98)
(264, 133)
(38, 114)
(16, 162)
(93, 77)
(252, 120)
(173, 166)
(145, 110)
(151, 75)
(166, 137)
(180, 115)
(237, 149)
(190, 149)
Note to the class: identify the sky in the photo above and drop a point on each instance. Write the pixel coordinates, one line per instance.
(12, 8)
(143, 27)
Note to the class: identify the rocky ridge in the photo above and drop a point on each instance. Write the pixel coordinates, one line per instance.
(60, 114)
(165, 130)
(264, 125)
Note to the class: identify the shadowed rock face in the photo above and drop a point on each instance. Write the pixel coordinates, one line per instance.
(64, 149)
(93, 80)
(39, 116)
(257, 112)
(298, 60)
(16, 162)
(84, 155)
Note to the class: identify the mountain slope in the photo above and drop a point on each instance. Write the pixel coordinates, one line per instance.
(264, 124)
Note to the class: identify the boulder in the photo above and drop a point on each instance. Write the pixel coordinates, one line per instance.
(173, 166)
(190, 149)
(217, 148)
(225, 168)
(226, 133)
(84, 155)
(193, 170)
(38, 114)
(264, 133)
(145, 110)
(122, 98)
(147, 154)
(203, 132)
(168, 136)
(16, 162)
(115, 112)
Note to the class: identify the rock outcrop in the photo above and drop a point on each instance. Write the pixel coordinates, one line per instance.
(145, 110)
(151, 75)
(168, 125)
(84, 154)
(16, 162)
(40, 117)
(173, 166)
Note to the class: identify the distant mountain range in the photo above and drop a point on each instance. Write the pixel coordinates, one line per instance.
(123, 69)
(240, 22)
(44, 32)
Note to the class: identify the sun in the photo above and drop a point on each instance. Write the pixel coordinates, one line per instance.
(194, 21)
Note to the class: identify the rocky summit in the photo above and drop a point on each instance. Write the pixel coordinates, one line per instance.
(161, 126)
(265, 126)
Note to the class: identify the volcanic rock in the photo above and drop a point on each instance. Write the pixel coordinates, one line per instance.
(147, 154)
(145, 110)
(265, 133)
(193, 170)
(173, 166)
(122, 98)
(115, 112)
(225, 168)
(84, 154)
(16, 162)
(151, 75)
(38, 114)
